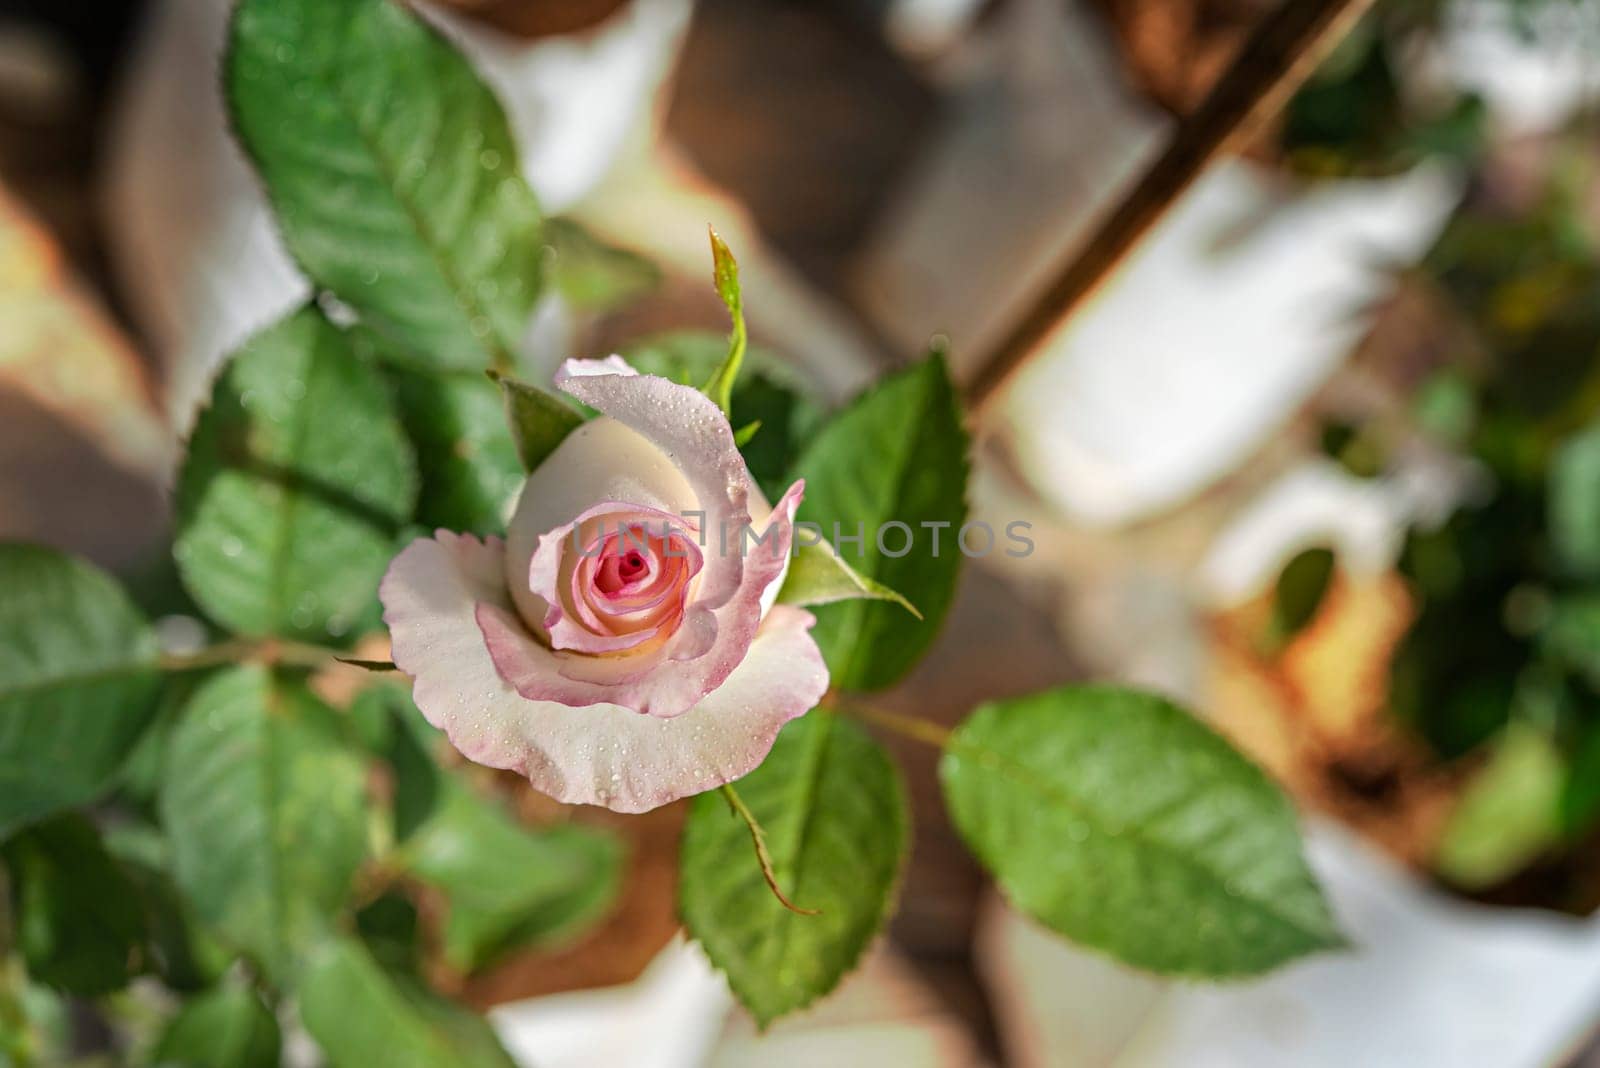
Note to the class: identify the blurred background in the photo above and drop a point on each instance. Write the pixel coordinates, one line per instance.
(1321, 457)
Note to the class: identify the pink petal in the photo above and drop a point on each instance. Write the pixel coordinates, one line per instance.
(704, 651)
(556, 566)
(692, 432)
(603, 754)
(602, 460)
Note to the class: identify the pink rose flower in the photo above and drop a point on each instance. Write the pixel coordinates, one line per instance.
(621, 647)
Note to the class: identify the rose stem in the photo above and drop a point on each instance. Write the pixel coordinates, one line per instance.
(1280, 54)
(909, 726)
(269, 650)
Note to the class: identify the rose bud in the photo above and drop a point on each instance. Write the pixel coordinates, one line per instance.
(621, 647)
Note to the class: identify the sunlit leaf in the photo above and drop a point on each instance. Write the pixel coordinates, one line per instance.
(1118, 820)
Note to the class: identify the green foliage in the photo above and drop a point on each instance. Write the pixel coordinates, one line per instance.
(34, 1024)
(818, 575)
(78, 682)
(266, 808)
(465, 452)
(79, 923)
(182, 953)
(362, 1016)
(1575, 504)
(897, 455)
(1580, 794)
(592, 275)
(725, 276)
(539, 420)
(1119, 821)
(508, 886)
(236, 802)
(296, 484)
(1353, 119)
(1508, 815)
(835, 815)
(392, 171)
(224, 1028)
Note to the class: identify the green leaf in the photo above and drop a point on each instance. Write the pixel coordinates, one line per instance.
(186, 956)
(267, 814)
(1571, 635)
(506, 885)
(406, 741)
(769, 393)
(362, 1017)
(36, 1023)
(392, 931)
(835, 816)
(509, 886)
(80, 925)
(467, 458)
(897, 455)
(1119, 821)
(297, 481)
(539, 420)
(817, 575)
(592, 275)
(223, 1028)
(393, 173)
(725, 276)
(1302, 585)
(1509, 813)
(78, 682)
(1580, 796)
(1575, 504)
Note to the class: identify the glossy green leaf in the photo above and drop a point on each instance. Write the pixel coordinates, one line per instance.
(465, 453)
(505, 885)
(266, 809)
(78, 682)
(817, 575)
(725, 277)
(1118, 820)
(392, 170)
(539, 420)
(1509, 813)
(297, 481)
(362, 1016)
(898, 455)
(509, 886)
(224, 1028)
(835, 815)
(592, 275)
(1575, 504)
(79, 923)
(1580, 795)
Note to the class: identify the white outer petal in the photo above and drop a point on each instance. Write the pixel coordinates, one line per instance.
(603, 754)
